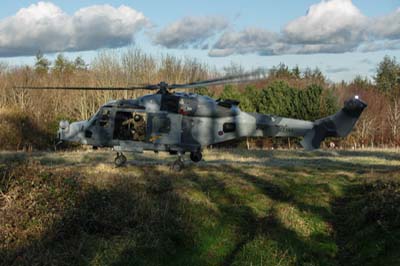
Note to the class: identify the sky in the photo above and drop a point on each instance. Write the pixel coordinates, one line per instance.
(343, 38)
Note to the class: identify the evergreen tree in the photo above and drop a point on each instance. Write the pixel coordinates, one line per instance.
(250, 99)
(309, 104)
(296, 73)
(42, 64)
(387, 76)
(275, 99)
(204, 91)
(80, 64)
(361, 82)
(307, 74)
(62, 65)
(330, 103)
(281, 72)
(230, 92)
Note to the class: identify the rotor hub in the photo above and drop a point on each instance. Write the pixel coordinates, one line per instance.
(163, 87)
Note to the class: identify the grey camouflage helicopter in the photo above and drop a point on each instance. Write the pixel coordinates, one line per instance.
(178, 122)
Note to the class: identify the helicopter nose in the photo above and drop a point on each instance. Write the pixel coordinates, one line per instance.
(64, 125)
(73, 132)
(63, 129)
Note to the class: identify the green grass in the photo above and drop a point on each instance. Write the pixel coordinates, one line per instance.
(235, 208)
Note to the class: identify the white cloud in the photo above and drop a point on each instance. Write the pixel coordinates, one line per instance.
(335, 23)
(246, 41)
(334, 70)
(190, 31)
(380, 45)
(330, 26)
(387, 26)
(44, 26)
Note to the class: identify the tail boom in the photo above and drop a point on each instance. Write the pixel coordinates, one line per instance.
(336, 125)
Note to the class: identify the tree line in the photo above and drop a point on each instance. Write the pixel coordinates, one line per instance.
(297, 93)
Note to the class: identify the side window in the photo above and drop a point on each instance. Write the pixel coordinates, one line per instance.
(229, 127)
(104, 120)
(161, 124)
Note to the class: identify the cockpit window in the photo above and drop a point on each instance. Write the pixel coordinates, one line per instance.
(104, 120)
(227, 103)
(169, 103)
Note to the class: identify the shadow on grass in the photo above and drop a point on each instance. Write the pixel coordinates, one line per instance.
(387, 155)
(124, 224)
(8, 158)
(393, 156)
(303, 251)
(323, 164)
(367, 222)
(147, 222)
(303, 155)
(249, 226)
(50, 161)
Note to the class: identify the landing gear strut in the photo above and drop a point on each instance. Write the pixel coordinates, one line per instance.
(120, 159)
(196, 156)
(178, 165)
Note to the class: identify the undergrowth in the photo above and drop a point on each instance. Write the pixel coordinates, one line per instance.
(60, 212)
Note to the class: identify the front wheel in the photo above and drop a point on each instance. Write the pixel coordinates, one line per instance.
(196, 156)
(120, 160)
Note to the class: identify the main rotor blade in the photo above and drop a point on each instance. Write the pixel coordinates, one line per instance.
(253, 76)
(134, 87)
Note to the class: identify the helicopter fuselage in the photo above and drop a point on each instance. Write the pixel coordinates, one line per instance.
(186, 122)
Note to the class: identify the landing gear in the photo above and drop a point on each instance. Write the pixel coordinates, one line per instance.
(58, 145)
(196, 156)
(178, 165)
(120, 159)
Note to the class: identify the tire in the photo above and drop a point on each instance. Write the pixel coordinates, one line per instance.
(196, 156)
(177, 166)
(120, 160)
(123, 159)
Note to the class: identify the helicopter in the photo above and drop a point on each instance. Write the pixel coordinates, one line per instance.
(181, 122)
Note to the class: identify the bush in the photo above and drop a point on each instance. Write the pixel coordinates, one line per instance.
(370, 223)
(57, 218)
(20, 131)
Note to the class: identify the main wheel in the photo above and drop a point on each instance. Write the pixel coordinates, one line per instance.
(196, 156)
(177, 166)
(123, 158)
(120, 160)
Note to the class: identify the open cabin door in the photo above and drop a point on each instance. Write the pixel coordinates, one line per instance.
(130, 125)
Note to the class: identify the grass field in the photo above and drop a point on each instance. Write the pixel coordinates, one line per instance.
(235, 208)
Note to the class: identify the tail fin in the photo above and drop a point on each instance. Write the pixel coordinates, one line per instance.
(337, 125)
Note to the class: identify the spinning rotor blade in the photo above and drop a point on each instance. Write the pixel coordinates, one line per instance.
(253, 76)
(163, 87)
(129, 88)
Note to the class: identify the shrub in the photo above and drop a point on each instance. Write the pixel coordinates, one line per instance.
(18, 130)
